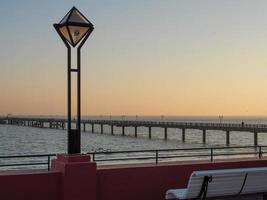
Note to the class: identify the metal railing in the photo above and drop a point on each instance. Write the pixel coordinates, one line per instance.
(179, 154)
(26, 160)
(142, 156)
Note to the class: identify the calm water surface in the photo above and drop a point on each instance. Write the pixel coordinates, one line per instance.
(27, 140)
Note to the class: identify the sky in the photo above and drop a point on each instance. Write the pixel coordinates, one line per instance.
(153, 57)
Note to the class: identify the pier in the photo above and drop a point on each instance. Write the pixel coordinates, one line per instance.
(56, 123)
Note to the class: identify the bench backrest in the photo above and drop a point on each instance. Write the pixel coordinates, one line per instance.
(229, 182)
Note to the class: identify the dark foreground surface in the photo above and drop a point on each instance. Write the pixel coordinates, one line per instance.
(250, 197)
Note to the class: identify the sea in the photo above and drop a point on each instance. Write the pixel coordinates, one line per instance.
(17, 140)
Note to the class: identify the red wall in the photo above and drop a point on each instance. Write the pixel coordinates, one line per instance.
(78, 176)
(79, 179)
(151, 182)
(29, 185)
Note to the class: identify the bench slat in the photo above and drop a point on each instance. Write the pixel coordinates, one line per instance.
(225, 182)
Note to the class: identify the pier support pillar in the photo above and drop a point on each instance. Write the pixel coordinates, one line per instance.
(227, 138)
(183, 134)
(135, 131)
(123, 130)
(165, 133)
(204, 136)
(84, 127)
(255, 138)
(149, 132)
(112, 130)
(101, 128)
(93, 128)
(78, 177)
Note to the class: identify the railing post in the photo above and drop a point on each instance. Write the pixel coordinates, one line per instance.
(149, 132)
(102, 129)
(93, 156)
(204, 136)
(211, 154)
(260, 152)
(227, 138)
(135, 131)
(183, 134)
(111, 129)
(165, 133)
(123, 130)
(92, 126)
(255, 138)
(48, 163)
(157, 156)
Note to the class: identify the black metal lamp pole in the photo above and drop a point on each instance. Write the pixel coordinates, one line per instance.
(74, 28)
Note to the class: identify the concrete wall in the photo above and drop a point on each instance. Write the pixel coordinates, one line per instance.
(151, 182)
(77, 178)
(29, 185)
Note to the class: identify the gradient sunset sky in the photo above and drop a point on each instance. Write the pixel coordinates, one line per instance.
(145, 57)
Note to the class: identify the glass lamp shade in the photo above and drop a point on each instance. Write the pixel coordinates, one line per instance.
(74, 27)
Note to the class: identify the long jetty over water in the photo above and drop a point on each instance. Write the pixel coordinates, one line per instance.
(165, 125)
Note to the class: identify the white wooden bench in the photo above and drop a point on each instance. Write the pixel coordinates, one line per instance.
(222, 183)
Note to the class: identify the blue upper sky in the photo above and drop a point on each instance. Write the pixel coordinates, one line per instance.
(144, 57)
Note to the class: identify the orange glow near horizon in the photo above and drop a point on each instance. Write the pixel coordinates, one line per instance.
(186, 91)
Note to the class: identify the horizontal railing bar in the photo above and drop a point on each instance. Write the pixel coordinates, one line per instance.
(203, 155)
(23, 164)
(179, 149)
(234, 154)
(214, 154)
(118, 159)
(175, 156)
(28, 156)
(184, 156)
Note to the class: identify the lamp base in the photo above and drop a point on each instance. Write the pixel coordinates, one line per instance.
(74, 143)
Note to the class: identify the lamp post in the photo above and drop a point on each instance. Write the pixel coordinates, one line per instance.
(7, 117)
(220, 118)
(74, 29)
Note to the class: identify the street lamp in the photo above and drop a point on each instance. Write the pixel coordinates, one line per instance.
(220, 118)
(74, 29)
